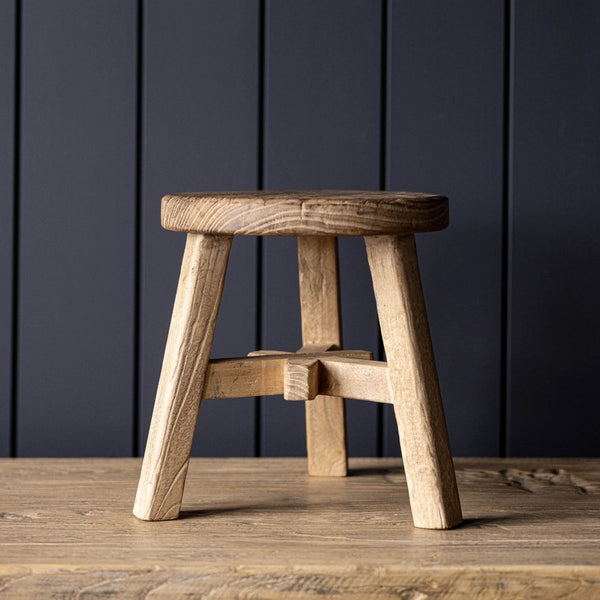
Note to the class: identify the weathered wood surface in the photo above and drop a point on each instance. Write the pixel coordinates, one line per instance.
(182, 377)
(263, 528)
(413, 381)
(319, 283)
(263, 373)
(301, 379)
(301, 212)
(355, 378)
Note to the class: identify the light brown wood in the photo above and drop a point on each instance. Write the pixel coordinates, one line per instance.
(179, 392)
(355, 378)
(262, 528)
(301, 212)
(264, 375)
(301, 378)
(414, 383)
(409, 381)
(246, 376)
(267, 352)
(320, 309)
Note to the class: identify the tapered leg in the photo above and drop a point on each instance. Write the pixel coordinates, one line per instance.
(319, 300)
(415, 390)
(167, 455)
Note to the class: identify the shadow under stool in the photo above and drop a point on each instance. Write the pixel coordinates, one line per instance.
(320, 373)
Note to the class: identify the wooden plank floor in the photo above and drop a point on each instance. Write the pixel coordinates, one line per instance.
(261, 528)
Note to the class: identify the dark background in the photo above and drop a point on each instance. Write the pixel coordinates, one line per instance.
(107, 105)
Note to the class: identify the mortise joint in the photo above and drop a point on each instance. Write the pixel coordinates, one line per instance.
(301, 379)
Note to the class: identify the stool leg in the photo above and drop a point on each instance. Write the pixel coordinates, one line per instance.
(319, 300)
(167, 455)
(415, 390)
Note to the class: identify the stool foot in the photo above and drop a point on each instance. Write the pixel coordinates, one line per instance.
(319, 301)
(167, 455)
(414, 384)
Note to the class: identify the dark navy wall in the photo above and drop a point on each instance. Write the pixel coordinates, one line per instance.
(200, 66)
(105, 107)
(76, 228)
(554, 230)
(7, 188)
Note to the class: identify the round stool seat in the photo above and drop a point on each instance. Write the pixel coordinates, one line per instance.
(302, 212)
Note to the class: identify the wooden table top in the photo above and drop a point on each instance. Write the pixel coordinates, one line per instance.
(261, 528)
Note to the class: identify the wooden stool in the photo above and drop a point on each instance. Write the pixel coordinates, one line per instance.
(320, 372)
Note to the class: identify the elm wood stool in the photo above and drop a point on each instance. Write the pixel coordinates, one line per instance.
(320, 373)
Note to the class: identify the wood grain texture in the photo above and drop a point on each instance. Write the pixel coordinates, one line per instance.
(245, 377)
(182, 377)
(301, 379)
(320, 311)
(355, 378)
(413, 381)
(263, 528)
(301, 212)
(264, 374)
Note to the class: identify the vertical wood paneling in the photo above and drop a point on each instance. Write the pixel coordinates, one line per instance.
(77, 228)
(200, 119)
(200, 133)
(7, 131)
(446, 120)
(554, 407)
(322, 131)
